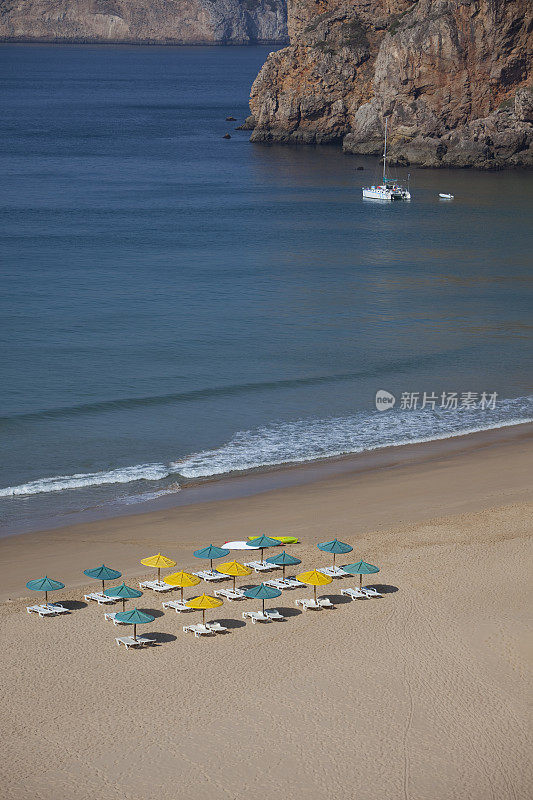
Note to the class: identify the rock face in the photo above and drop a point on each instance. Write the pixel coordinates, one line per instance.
(452, 78)
(144, 21)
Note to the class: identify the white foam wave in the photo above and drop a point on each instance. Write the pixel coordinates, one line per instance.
(309, 440)
(58, 483)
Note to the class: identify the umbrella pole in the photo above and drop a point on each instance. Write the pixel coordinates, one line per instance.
(123, 604)
(234, 583)
(211, 562)
(159, 574)
(103, 586)
(46, 598)
(203, 616)
(360, 580)
(135, 633)
(182, 594)
(262, 556)
(315, 592)
(284, 572)
(263, 606)
(334, 554)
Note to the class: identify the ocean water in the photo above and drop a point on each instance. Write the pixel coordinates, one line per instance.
(176, 306)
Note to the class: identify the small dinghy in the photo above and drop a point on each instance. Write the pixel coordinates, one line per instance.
(446, 196)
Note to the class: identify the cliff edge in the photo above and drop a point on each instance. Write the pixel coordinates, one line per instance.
(452, 77)
(144, 21)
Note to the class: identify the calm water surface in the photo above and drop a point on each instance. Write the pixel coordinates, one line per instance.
(175, 305)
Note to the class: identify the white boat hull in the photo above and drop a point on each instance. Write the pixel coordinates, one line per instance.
(376, 193)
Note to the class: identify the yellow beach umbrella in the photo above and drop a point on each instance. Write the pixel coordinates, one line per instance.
(159, 562)
(182, 579)
(234, 569)
(314, 578)
(203, 603)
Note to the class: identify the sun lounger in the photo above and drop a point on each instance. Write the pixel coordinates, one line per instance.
(278, 584)
(355, 594)
(292, 583)
(43, 611)
(260, 566)
(208, 575)
(156, 586)
(256, 616)
(308, 603)
(100, 598)
(325, 602)
(57, 607)
(273, 613)
(111, 616)
(229, 594)
(177, 605)
(216, 626)
(370, 591)
(129, 641)
(333, 572)
(198, 630)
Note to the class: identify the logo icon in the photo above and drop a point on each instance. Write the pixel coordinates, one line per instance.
(384, 400)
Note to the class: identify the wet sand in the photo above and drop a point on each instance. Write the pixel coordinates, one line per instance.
(421, 694)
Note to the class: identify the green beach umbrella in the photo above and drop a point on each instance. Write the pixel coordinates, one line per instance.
(211, 552)
(334, 546)
(45, 585)
(103, 574)
(123, 592)
(134, 617)
(262, 592)
(360, 568)
(262, 542)
(284, 559)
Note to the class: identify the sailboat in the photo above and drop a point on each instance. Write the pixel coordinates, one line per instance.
(389, 189)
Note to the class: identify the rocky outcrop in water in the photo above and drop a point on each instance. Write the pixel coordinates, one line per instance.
(144, 21)
(452, 77)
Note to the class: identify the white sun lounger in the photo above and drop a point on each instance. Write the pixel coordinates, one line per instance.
(355, 594)
(260, 566)
(370, 591)
(292, 583)
(100, 598)
(156, 586)
(57, 607)
(308, 603)
(273, 613)
(256, 616)
(208, 575)
(216, 626)
(111, 617)
(198, 630)
(278, 583)
(177, 605)
(325, 602)
(129, 641)
(333, 572)
(229, 594)
(43, 611)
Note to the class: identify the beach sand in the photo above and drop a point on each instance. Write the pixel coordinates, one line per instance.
(420, 695)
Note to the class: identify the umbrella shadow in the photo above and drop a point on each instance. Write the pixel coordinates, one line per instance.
(288, 612)
(384, 588)
(73, 605)
(337, 599)
(231, 623)
(160, 638)
(154, 612)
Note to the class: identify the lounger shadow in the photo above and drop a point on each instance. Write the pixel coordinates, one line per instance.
(384, 588)
(289, 612)
(230, 623)
(160, 638)
(73, 605)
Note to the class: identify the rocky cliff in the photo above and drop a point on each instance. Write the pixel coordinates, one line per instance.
(144, 21)
(453, 78)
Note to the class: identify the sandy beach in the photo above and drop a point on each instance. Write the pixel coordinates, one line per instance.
(421, 694)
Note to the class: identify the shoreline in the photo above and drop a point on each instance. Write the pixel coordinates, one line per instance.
(260, 480)
(416, 483)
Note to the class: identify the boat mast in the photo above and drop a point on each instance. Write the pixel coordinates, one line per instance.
(385, 151)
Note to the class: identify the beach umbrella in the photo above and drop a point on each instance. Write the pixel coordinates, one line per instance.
(134, 617)
(262, 542)
(123, 592)
(203, 603)
(262, 592)
(284, 559)
(360, 568)
(45, 585)
(314, 578)
(159, 562)
(234, 569)
(103, 574)
(183, 580)
(334, 546)
(211, 552)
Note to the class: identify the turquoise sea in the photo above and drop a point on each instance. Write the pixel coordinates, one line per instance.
(176, 306)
